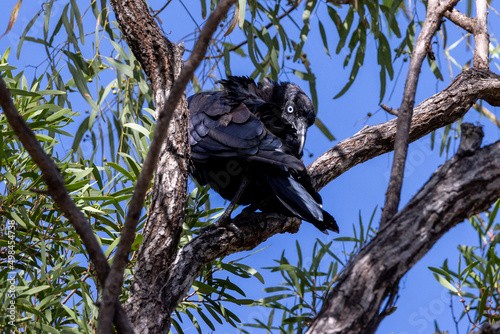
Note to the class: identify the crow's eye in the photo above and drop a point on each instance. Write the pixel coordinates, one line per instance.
(289, 109)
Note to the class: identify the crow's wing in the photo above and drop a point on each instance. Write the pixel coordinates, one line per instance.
(221, 129)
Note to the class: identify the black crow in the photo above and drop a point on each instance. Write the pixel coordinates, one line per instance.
(246, 143)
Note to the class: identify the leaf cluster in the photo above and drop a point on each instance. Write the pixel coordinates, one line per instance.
(477, 285)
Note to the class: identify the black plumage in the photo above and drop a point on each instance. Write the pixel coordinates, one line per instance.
(254, 134)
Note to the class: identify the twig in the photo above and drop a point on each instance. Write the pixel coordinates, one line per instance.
(115, 278)
(74, 290)
(435, 12)
(391, 111)
(478, 27)
(481, 36)
(460, 20)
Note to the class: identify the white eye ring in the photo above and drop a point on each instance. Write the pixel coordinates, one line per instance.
(289, 109)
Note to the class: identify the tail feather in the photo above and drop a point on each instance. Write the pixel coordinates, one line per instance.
(328, 223)
(296, 199)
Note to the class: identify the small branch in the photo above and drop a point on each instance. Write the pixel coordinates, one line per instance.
(481, 36)
(391, 111)
(115, 278)
(460, 20)
(157, 12)
(84, 278)
(57, 190)
(435, 12)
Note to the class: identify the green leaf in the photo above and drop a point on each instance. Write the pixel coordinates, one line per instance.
(242, 5)
(435, 68)
(482, 303)
(322, 127)
(137, 242)
(112, 246)
(34, 290)
(81, 85)
(323, 38)
(138, 128)
(445, 283)
(23, 35)
(122, 170)
(78, 18)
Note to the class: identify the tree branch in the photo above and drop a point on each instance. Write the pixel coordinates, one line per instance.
(127, 236)
(461, 20)
(57, 190)
(389, 109)
(437, 111)
(467, 184)
(441, 109)
(435, 12)
(481, 36)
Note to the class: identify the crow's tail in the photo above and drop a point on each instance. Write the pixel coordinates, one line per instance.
(301, 203)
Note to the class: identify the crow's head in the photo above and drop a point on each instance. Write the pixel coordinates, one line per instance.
(296, 107)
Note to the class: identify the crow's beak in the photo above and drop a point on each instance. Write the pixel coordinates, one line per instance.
(301, 135)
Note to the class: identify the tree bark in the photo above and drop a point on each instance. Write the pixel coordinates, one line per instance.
(435, 12)
(162, 62)
(435, 112)
(467, 184)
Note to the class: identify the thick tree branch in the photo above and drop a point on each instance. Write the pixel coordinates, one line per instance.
(162, 62)
(437, 111)
(441, 109)
(57, 190)
(435, 12)
(465, 185)
(127, 236)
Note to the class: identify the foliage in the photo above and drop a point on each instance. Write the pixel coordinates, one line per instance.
(306, 285)
(46, 263)
(477, 285)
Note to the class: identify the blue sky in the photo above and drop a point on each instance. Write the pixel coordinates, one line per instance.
(422, 299)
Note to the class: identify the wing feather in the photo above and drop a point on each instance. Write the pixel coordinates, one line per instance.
(218, 129)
